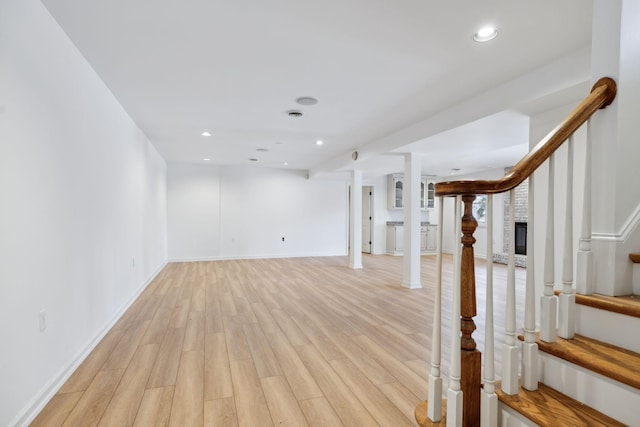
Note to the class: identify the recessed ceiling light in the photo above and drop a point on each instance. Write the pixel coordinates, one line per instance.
(278, 142)
(307, 100)
(286, 163)
(262, 150)
(206, 159)
(253, 159)
(294, 113)
(485, 34)
(319, 142)
(205, 133)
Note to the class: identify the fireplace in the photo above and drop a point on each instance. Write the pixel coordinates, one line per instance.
(521, 216)
(521, 238)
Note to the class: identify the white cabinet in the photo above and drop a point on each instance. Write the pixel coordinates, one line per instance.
(423, 239)
(395, 238)
(396, 188)
(431, 238)
(430, 196)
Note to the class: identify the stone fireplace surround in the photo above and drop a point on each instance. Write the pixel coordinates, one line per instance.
(521, 215)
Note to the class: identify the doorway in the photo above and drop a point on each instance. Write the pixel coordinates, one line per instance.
(367, 218)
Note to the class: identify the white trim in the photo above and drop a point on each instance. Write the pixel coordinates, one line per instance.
(411, 285)
(46, 393)
(237, 257)
(625, 231)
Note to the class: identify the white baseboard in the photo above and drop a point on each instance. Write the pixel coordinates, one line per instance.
(268, 256)
(40, 400)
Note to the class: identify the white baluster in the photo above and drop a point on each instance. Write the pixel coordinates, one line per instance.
(530, 347)
(548, 301)
(434, 407)
(584, 281)
(488, 397)
(509, 349)
(454, 394)
(566, 321)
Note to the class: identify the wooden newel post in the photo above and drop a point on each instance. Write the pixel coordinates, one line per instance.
(470, 358)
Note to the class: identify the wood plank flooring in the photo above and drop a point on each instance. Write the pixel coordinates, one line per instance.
(297, 341)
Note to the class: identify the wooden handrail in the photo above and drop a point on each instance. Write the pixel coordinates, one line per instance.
(602, 94)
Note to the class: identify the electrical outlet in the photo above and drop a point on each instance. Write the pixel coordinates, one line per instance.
(42, 317)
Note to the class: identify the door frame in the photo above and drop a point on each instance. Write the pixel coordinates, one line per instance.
(369, 189)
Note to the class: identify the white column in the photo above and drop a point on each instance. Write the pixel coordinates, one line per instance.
(488, 398)
(567, 299)
(548, 301)
(509, 348)
(584, 270)
(434, 407)
(355, 221)
(411, 277)
(614, 133)
(454, 393)
(530, 347)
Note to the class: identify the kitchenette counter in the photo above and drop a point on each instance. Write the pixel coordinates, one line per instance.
(401, 223)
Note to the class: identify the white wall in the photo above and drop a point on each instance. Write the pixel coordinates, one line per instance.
(219, 212)
(83, 197)
(616, 207)
(193, 211)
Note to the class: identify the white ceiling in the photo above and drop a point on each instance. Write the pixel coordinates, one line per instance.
(377, 67)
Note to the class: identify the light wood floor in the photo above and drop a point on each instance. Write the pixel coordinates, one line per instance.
(301, 341)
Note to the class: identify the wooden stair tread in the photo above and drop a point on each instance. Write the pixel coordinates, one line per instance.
(635, 258)
(423, 419)
(628, 305)
(606, 359)
(549, 407)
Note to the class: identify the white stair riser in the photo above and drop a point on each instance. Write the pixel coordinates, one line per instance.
(610, 397)
(507, 417)
(613, 328)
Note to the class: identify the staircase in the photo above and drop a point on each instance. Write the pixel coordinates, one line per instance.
(600, 382)
(580, 364)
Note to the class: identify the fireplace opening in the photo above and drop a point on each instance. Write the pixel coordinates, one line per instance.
(521, 238)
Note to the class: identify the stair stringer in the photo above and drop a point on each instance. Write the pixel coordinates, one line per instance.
(608, 396)
(606, 326)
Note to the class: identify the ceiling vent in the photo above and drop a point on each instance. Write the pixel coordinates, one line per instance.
(294, 113)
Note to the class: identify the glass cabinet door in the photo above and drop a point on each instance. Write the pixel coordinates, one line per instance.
(431, 195)
(398, 197)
